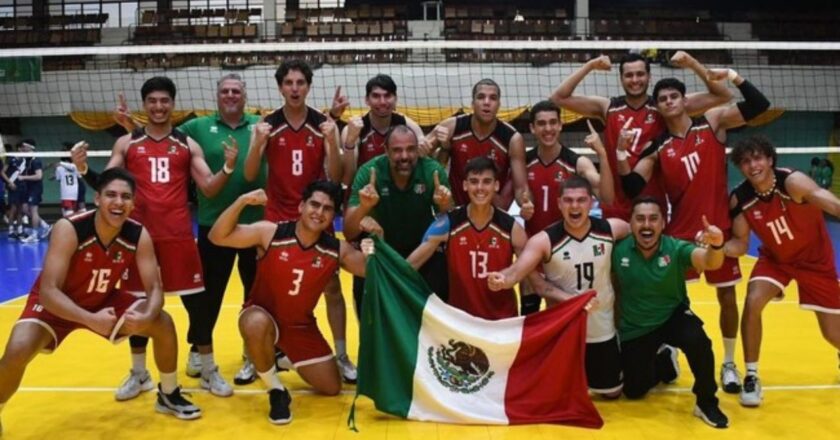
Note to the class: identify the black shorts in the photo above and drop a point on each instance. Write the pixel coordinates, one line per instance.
(603, 366)
(34, 198)
(17, 197)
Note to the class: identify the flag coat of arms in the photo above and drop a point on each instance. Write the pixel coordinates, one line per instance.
(421, 359)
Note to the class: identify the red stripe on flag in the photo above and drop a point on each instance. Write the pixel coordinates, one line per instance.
(547, 381)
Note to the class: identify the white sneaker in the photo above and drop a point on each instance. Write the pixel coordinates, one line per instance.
(133, 385)
(282, 362)
(194, 364)
(31, 238)
(730, 379)
(247, 374)
(45, 231)
(751, 394)
(215, 383)
(347, 369)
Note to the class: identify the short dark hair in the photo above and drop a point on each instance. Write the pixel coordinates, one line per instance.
(480, 164)
(289, 65)
(331, 189)
(668, 83)
(543, 106)
(815, 161)
(574, 182)
(756, 144)
(486, 82)
(632, 58)
(116, 173)
(382, 81)
(157, 84)
(641, 200)
(400, 128)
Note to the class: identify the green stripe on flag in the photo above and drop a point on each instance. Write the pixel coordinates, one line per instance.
(388, 347)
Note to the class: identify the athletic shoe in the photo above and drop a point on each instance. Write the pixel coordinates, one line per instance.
(215, 383)
(247, 374)
(45, 231)
(347, 369)
(667, 360)
(31, 238)
(712, 415)
(279, 414)
(730, 379)
(194, 364)
(282, 362)
(751, 394)
(175, 404)
(133, 385)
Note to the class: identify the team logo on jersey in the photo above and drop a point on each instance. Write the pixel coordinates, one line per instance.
(284, 256)
(118, 257)
(310, 142)
(664, 260)
(317, 263)
(598, 249)
(625, 262)
(698, 140)
(566, 255)
(172, 149)
(214, 129)
(419, 188)
(125, 274)
(88, 257)
(559, 177)
(492, 155)
(460, 367)
(494, 243)
(649, 119)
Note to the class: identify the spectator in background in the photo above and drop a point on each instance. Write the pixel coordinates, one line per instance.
(17, 195)
(826, 174)
(69, 181)
(33, 175)
(814, 172)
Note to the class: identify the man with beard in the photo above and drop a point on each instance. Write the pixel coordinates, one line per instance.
(785, 210)
(653, 307)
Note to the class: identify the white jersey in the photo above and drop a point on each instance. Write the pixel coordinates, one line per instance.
(68, 180)
(577, 266)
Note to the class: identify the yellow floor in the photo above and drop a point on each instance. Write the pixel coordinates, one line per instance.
(69, 394)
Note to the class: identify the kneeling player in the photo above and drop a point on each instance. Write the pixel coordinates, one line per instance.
(295, 262)
(80, 288)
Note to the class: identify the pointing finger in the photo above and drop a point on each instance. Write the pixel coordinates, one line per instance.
(373, 176)
(436, 179)
(337, 93)
(705, 222)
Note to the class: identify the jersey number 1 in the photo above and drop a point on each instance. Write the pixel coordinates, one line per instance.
(585, 275)
(478, 263)
(779, 227)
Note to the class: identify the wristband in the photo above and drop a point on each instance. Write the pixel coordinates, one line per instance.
(731, 75)
(621, 155)
(227, 170)
(716, 248)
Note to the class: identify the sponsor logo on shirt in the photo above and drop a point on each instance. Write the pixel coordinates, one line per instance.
(88, 257)
(462, 241)
(385, 192)
(670, 152)
(196, 277)
(281, 142)
(566, 255)
(284, 256)
(625, 262)
(463, 148)
(214, 129)
(757, 214)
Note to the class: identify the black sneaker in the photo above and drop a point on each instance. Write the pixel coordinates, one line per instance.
(712, 415)
(279, 414)
(175, 404)
(667, 364)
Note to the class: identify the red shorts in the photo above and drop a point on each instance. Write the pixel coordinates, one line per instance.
(69, 205)
(819, 291)
(59, 328)
(729, 274)
(180, 269)
(303, 344)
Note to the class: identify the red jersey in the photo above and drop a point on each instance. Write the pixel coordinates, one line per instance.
(371, 141)
(96, 271)
(647, 125)
(465, 145)
(790, 232)
(295, 159)
(162, 171)
(290, 278)
(544, 181)
(471, 254)
(694, 172)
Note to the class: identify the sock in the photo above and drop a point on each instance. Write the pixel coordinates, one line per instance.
(752, 368)
(208, 364)
(138, 362)
(340, 347)
(168, 382)
(729, 350)
(270, 379)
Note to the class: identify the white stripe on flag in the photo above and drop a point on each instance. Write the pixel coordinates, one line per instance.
(483, 404)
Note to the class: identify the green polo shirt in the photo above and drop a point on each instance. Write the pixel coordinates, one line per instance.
(650, 289)
(403, 214)
(209, 132)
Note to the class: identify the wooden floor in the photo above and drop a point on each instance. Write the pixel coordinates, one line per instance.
(69, 394)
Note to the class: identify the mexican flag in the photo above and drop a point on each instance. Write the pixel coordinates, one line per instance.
(422, 359)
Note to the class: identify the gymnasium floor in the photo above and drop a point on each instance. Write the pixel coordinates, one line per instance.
(69, 394)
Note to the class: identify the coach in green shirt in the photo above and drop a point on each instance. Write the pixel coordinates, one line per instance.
(402, 192)
(227, 126)
(649, 270)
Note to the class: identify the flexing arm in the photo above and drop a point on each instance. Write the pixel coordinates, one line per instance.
(754, 104)
(226, 232)
(589, 106)
(718, 93)
(537, 249)
(440, 138)
(79, 155)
